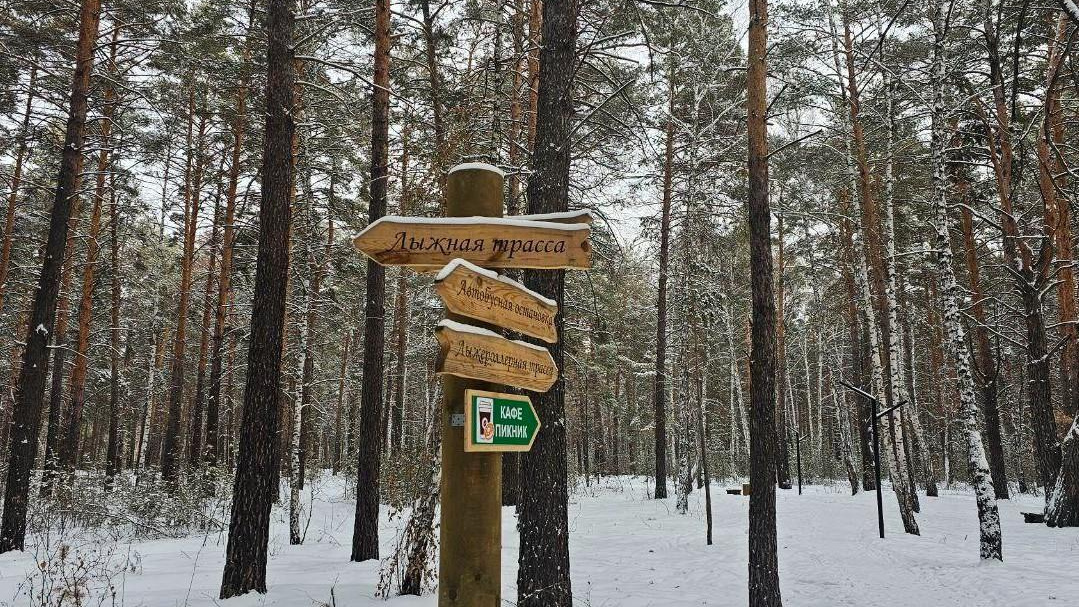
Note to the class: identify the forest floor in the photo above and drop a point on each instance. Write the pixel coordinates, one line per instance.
(627, 551)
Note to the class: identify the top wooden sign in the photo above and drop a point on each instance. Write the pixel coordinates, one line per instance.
(430, 243)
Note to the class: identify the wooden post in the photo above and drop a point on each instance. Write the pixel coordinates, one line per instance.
(469, 567)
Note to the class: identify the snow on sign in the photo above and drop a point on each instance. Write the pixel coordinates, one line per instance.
(475, 292)
(476, 353)
(499, 422)
(430, 243)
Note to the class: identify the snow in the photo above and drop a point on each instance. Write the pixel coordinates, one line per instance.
(630, 551)
(461, 327)
(456, 263)
(559, 216)
(491, 221)
(477, 166)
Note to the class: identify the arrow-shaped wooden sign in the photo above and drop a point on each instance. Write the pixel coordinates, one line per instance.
(475, 292)
(477, 353)
(427, 242)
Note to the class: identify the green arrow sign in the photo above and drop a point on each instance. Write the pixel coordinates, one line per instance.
(499, 422)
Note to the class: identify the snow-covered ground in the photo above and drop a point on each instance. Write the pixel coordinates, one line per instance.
(629, 551)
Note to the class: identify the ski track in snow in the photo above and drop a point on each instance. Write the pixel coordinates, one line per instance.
(630, 551)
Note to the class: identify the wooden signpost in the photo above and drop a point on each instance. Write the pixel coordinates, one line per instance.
(478, 421)
(477, 353)
(432, 242)
(499, 422)
(472, 291)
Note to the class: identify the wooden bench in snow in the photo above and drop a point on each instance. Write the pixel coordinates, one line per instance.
(1033, 517)
(734, 491)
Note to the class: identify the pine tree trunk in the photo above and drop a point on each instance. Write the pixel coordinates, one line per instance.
(196, 448)
(72, 421)
(543, 576)
(21, 154)
(535, 31)
(435, 95)
(35, 362)
(1063, 507)
(1030, 274)
(661, 382)
(342, 403)
(224, 279)
(54, 430)
(882, 298)
(763, 551)
(113, 458)
(1053, 131)
(365, 528)
(7, 398)
(310, 325)
(253, 488)
(859, 353)
(70, 449)
(172, 451)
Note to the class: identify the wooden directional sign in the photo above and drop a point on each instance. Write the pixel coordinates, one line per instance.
(490, 242)
(472, 291)
(499, 422)
(469, 351)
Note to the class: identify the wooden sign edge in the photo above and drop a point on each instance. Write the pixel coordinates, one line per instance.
(471, 447)
(551, 339)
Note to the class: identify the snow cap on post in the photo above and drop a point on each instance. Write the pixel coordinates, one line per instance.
(477, 166)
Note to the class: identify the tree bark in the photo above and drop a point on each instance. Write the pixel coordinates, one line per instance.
(1030, 274)
(113, 456)
(196, 448)
(72, 421)
(70, 451)
(661, 385)
(543, 576)
(54, 435)
(365, 528)
(35, 361)
(224, 278)
(21, 154)
(763, 551)
(253, 491)
(172, 452)
(1063, 507)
